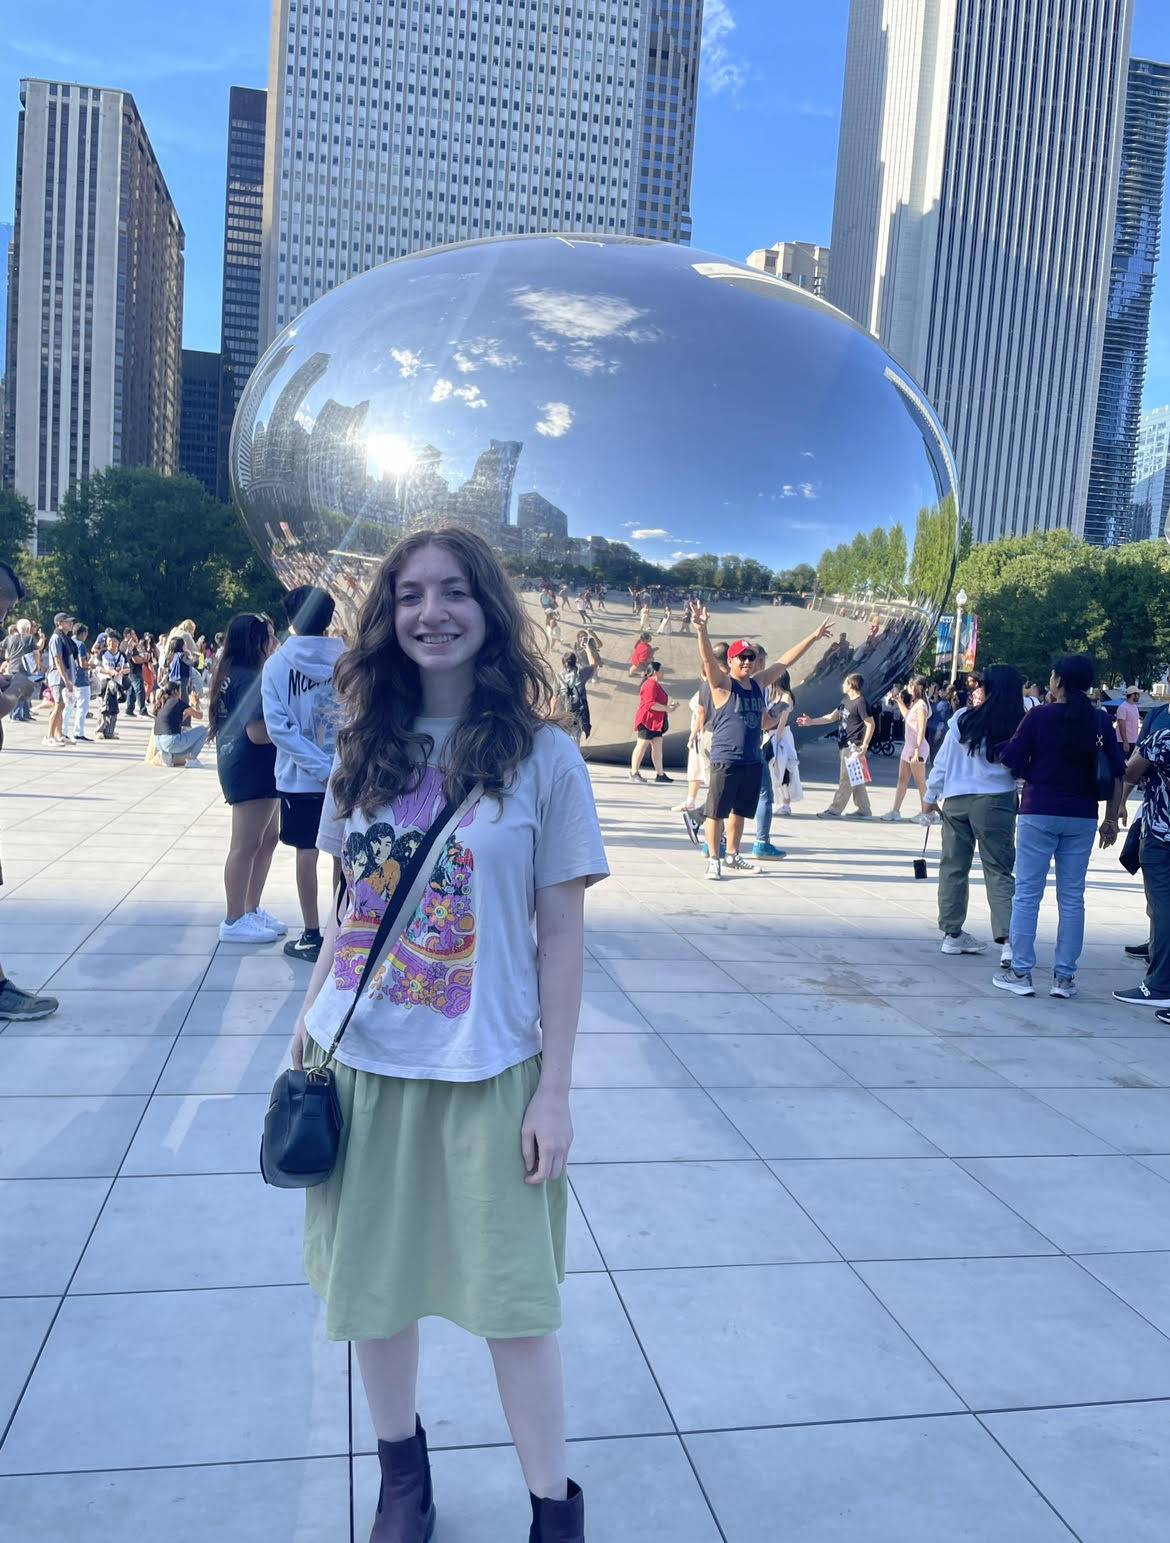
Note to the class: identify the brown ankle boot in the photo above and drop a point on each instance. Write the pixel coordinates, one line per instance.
(406, 1507)
(559, 1521)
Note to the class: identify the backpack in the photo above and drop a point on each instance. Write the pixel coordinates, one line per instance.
(575, 701)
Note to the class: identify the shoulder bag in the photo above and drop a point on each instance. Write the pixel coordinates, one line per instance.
(302, 1129)
(1103, 777)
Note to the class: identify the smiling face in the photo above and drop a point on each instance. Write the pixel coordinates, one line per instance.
(437, 620)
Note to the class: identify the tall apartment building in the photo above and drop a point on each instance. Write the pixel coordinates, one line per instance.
(5, 258)
(199, 422)
(973, 229)
(798, 262)
(96, 295)
(393, 127)
(1131, 293)
(1150, 500)
(239, 338)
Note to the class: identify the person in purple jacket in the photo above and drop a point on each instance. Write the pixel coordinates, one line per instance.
(1054, 751)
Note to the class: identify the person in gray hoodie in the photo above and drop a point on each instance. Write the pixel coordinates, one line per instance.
(301, 712)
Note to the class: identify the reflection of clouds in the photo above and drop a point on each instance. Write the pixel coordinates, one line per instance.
(483, 353)
(576, 322)
(651, 535)
(807, 525)
(408, 362)
(557, 420)
(800, 490)
(446, 390)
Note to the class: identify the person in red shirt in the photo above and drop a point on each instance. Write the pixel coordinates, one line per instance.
(642, 655)
(650, 724)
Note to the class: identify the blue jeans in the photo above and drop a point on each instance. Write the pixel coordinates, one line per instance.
(764, 807)
(189, 742)
(1041, 838)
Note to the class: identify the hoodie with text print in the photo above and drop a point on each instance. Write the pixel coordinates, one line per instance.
(302, 711)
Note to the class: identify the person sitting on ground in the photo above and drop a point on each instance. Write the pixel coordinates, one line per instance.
(302, 713)
(175, 735)
(978, 802)
(15, 1004)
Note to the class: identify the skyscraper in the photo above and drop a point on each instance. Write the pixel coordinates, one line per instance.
(239, 337)
(802, 263)
(1151, 476)
(973, 228)
(1131, 291)
(199, 421)
(395, 127)
(96, 288)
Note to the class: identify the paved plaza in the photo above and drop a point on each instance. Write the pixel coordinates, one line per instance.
(861, 1248)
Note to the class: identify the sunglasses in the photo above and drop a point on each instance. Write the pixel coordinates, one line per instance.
(747, 656)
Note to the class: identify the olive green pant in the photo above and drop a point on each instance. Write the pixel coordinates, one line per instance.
(989, 820)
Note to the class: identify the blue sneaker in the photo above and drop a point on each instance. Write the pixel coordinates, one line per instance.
(766, 849)
(722, 847)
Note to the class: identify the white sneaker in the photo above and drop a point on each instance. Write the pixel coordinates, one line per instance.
(714, 869)
(920, 819)
(964, 944)
(270, 921)
(784, 809)
(736, 861)
(891, 815)
(1005, 957)
(246, 929)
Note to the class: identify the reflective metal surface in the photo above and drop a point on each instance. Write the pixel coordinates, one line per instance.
(560, 394)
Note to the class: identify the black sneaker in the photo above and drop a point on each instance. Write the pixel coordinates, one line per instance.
(692, 825)
(662, 777)
(22, 1005)
(307, 947)
(1138, 950)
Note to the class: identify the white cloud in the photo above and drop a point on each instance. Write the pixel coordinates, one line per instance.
(651, 535)
(444, 390)
(677, 557)
(721, 69)
(800, 490)
(471, 395)
(806, 525)
(483, 353)
(441, 390)
(557, 420)
(579, 318)
(408, 363)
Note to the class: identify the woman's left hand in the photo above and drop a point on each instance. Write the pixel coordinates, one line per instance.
(546, 1136)
(1108, 832)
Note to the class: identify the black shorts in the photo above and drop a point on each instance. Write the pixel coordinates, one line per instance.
(734, 789)
(300, 819)
(649, 733)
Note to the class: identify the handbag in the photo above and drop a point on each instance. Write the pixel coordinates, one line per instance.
(302, 1129)
(1130, 855)
(1103, 778)
(920, 870)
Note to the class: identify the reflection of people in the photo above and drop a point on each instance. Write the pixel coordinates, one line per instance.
(643, 653)
(650, 724)
(449, 1198)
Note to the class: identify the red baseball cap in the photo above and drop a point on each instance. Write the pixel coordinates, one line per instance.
(740, 646)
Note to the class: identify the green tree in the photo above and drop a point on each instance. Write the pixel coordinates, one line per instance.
(897, 558)
(18, 526)
(796, 580)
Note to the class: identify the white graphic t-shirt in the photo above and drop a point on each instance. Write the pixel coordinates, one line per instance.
(456, 999)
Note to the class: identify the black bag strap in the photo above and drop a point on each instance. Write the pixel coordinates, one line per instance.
(404, 901)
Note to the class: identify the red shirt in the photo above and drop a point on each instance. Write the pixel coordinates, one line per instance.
(652, 704)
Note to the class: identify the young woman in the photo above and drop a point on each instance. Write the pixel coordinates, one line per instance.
(572, 698)
(641, 656)
(1054, 750)
(449, 1195)
(912, 763)
(650, 723)
(246, 763)
(174, 733)
(785, 761)
(978, 798)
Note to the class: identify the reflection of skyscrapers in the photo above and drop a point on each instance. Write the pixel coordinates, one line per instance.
(1151, 483)
(534, 513)
(243, 227)
(973, 220)
(391, 129)
(802, 263)
(1131, 291)
(199, 421)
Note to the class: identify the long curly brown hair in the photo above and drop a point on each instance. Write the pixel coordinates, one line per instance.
(380, 754)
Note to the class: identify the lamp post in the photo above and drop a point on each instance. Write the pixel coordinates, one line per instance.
(960, 602)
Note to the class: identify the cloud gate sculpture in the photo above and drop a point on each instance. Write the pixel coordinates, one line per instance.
(573, 398)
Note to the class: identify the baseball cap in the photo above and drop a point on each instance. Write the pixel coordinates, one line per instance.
(1134, 691)
(62, 616)
(740, 646)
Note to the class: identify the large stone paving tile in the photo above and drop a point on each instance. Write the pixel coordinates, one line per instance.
(114, 939)
(1142, 1280)
(31, 971)
(105, 1012)
(906, 1062)
(630, 1125)
(681, 975)
(161, 1234)
(1056, 1063)
(756, 1061)
(92, 972)
(840, 1015)
(643, 945)
(103, 1063)
(609, 1390)
(627, 1061)
(610, 1012)
(225, 1063)
(662, 1215)
(296, 1502)
(885, 1481)
(155, 1379)
(906, 1208)
(257, 972)
(24, 1322)
(990, 1122)
(819, 1122)
(1084, 1204)
(43, 1227)
(1010, 1333)
(244, 1012)
(1105, 1469)
(707, 1012)
(66, 1138)
(773, 1344)
(214, 1133)
(1131, 1119)
(637, 1488)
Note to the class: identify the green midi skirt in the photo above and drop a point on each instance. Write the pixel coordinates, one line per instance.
(427, 1212)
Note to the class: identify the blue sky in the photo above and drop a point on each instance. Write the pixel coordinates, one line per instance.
(767, 134)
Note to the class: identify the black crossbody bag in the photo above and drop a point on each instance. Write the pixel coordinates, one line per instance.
(302, 1129)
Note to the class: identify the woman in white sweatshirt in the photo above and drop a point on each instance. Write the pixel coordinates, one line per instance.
(979, 803)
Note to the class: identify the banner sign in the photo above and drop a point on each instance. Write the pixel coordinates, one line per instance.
(944, 642)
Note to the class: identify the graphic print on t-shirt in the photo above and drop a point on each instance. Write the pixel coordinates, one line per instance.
(433, 961)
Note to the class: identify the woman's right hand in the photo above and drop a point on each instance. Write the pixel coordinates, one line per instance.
(297, 1048)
